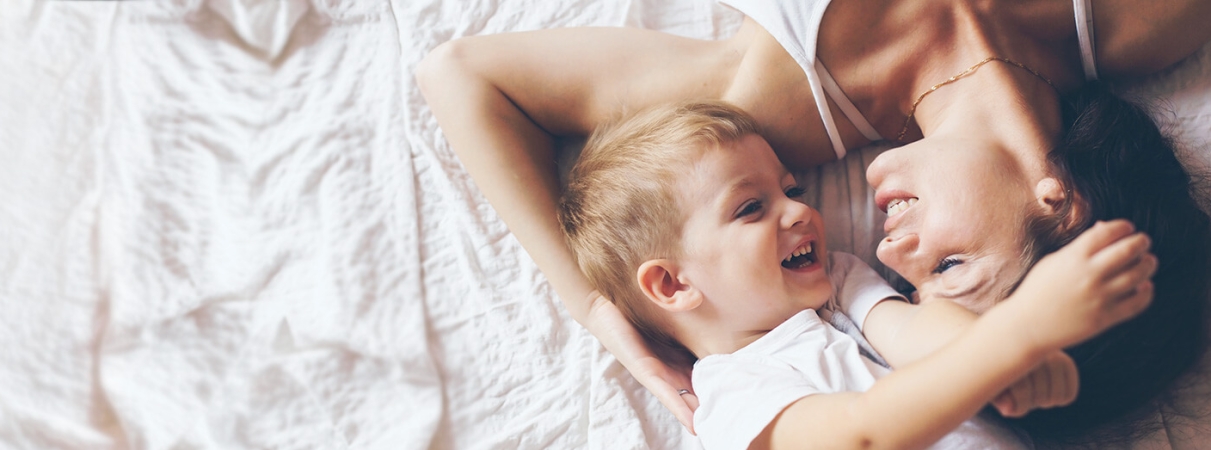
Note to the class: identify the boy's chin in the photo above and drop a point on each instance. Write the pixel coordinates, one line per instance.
(816, 295)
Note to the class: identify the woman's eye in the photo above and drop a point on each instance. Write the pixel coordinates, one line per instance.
(795, 191)
(749, 209)
(946, 264)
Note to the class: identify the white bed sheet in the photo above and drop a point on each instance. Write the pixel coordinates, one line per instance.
(235, 224)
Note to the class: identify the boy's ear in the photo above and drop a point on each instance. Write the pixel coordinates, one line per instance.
(658, 278)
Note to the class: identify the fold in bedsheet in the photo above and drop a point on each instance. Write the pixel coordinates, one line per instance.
(233, 262)
(235, 224)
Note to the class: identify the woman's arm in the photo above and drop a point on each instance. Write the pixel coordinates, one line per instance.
(1131, 37)
(501, 100)
(1139, 37)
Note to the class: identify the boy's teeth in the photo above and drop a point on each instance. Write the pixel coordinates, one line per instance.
(805, 249)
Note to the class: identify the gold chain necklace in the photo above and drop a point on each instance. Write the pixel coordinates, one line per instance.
(962, 74)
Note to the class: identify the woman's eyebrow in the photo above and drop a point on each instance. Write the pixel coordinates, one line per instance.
(969, 290)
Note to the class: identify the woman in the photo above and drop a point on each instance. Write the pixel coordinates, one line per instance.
(504, 100)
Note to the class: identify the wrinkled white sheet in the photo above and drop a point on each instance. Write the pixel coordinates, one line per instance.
(235, 224)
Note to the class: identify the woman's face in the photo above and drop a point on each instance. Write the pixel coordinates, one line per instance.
(957, 209)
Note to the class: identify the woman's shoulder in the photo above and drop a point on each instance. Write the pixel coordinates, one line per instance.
(1131, 37)
(772, 86)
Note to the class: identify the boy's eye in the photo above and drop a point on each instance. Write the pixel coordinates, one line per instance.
(795, 191)
(749, 209)
(946, 263)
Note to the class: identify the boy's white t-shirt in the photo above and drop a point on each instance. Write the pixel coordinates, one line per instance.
(741, 393)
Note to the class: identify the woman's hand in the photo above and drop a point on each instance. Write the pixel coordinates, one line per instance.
(665, 381)
(1055, 382)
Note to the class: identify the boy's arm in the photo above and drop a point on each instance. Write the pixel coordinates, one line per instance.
(899, 331)
(914, 406)
(1104, 281)
(903, 332)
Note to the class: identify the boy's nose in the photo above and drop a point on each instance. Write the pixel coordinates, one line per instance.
(796, 213)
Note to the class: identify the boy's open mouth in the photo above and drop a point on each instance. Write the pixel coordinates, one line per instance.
(802, 257)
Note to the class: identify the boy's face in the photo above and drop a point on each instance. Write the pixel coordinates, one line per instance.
(744, 240)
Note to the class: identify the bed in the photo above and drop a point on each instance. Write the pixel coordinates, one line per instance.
(235, 224)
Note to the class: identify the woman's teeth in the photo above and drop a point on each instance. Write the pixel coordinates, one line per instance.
(899, 205)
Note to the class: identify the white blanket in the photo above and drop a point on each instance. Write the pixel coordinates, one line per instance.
(235, 224)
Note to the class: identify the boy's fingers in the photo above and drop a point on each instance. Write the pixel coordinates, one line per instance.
(1102, 234)
(1122, 254)
(1142, 298)
(1124, 283)
(1133, 304)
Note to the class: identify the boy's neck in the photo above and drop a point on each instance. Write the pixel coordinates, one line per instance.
(706, 337)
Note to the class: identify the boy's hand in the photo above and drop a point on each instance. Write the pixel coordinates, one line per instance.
(1099, 280)
(1054, 382)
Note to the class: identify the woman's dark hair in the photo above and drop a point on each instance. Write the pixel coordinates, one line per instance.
(1120, 165)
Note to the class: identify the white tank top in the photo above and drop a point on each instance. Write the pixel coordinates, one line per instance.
(796, 25)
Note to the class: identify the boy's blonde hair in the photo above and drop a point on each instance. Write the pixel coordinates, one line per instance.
(620, 208)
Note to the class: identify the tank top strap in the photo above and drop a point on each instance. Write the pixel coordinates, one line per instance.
(796, 25)
(1083, 10)
(847, 107)
(814, 79)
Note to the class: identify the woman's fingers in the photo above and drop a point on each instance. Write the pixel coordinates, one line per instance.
(667, 382)
(691, 400)
(1004, 403)
(1025, 398)
(682, 409)
(1049, 388)
(1053, 383)
(1072, 380)
(1062, 381)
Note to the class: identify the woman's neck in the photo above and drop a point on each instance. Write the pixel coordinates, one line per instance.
(1003, 105)
(916, 44)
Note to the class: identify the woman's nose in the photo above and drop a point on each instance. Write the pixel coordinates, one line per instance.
(877, 170)
(898, 253)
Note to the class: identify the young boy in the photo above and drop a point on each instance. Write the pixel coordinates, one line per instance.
(684, 217)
